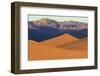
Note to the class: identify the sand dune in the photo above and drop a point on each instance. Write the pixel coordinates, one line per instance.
(60, 40)
(81, 44)
(42, 52)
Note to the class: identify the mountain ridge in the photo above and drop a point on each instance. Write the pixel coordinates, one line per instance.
(75, 25)
(45, 29)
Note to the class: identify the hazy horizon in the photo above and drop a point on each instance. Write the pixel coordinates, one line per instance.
(58, 18)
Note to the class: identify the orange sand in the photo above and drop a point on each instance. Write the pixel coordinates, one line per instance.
(76, 45)
(75, 49)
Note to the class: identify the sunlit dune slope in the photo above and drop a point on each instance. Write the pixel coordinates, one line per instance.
(60, 40)
(37, 51)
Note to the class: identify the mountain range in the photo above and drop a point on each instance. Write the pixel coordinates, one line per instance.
(45, 29)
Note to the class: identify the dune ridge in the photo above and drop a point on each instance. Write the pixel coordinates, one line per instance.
(60, 40)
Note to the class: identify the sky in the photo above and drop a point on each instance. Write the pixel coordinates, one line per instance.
(58, 18)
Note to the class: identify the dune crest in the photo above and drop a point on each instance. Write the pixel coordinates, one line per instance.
(60, 40)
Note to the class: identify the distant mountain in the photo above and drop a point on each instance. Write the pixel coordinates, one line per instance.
(46, 22)
(45, 29)
(61, 25)
(73, 25)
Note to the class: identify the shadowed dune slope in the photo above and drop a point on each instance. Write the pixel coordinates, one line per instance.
(76, 45)
(42, 52)
(60, 40)
(81, 44)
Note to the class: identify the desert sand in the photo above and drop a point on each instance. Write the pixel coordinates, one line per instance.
(62, 47)
(76, 45)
